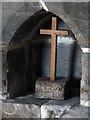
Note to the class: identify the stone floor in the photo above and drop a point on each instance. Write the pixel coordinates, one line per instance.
(32, 107)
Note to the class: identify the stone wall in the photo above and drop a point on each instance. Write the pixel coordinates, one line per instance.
(74, 14)
(13, 15)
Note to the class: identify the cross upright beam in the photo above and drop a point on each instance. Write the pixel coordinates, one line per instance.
(53, 32)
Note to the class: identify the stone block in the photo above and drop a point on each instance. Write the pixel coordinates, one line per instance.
(22, 107)
(13, 110)
(58, 89)
(64, 109)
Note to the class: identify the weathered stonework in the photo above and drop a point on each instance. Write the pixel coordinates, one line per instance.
(11, 110)
(23, 107)
(63, 110)
(84, 90)
(31, 107)
(74, 14)
(0, 74)
(77, 21)
(58, 89)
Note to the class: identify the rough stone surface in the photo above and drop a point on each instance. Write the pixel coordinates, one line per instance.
(77, 21)
(23, 107)
(20, 110)
(13, 15)
(32, 107)
(85, 89)
(33, 59)
(0, 73)
(0, 23)
(64, 109)
(74, 14)
(4, 75)
(0, 109)
(58, 89)
(89, 76)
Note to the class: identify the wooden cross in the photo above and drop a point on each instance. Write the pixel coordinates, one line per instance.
(53, 32)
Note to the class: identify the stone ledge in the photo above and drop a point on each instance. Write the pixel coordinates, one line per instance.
(64, 109)
(31, 107)
(58, 89)
(22, 107)
(13, 110)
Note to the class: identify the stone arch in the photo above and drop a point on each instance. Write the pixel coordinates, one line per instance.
(20, 41)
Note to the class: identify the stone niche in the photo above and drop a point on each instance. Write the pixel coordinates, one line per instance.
(28, 56)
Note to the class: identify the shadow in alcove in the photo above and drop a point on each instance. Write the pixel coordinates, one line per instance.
(28, 62)
(74, 81)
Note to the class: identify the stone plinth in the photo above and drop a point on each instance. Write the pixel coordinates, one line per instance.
(58, 89)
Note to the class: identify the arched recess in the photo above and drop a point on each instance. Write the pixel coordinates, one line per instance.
(29, 55)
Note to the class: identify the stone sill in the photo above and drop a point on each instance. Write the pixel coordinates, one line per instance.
(32, 107)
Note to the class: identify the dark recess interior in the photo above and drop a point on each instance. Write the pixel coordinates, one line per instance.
(31, 59)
